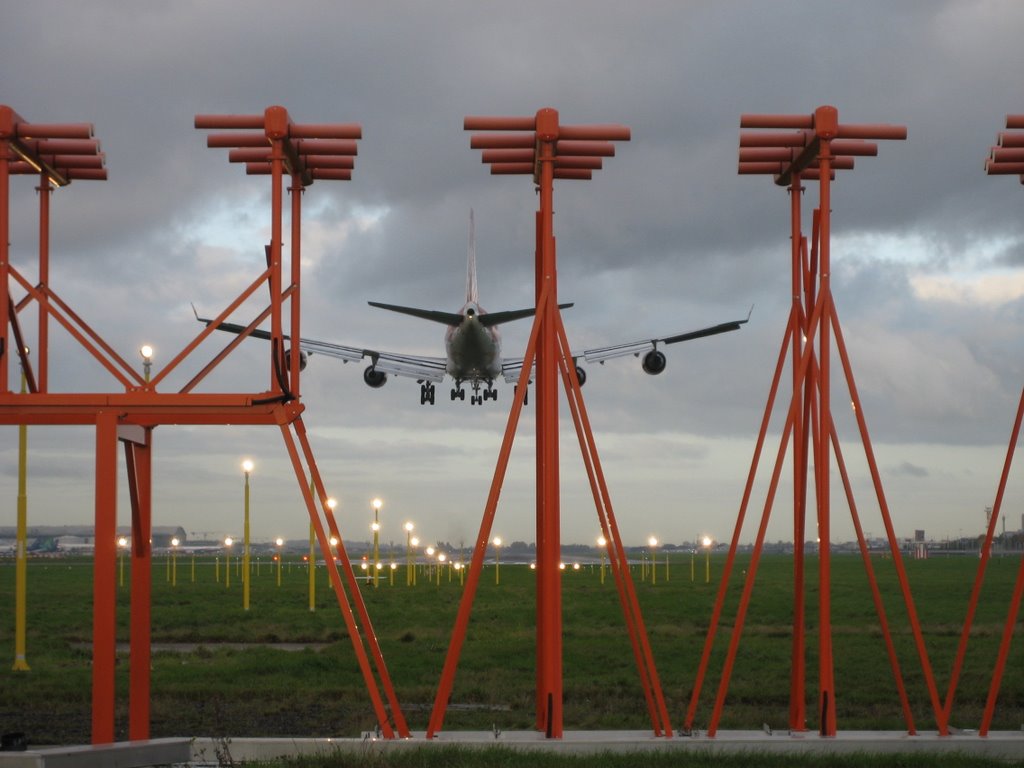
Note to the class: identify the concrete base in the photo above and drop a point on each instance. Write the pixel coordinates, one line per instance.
(1008, 745)
(1000, 744)
(122, 754)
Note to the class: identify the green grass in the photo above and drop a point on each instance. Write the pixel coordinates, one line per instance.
(261, 691)
(503, 757)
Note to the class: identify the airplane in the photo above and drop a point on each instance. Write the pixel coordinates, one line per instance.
(473, 346)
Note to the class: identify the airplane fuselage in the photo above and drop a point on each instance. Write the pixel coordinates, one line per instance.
(473, 350)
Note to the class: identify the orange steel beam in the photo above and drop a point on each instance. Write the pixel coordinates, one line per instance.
(1007, 157)
(617, 555)
(289, 423)
(104, 625)
(451, 662)
(63, 153)
(815, 146)
(87, 338)
(544, 148)
(1004, 159)
(138, 463)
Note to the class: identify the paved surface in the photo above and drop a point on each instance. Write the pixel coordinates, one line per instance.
(1007, 745)
(196, 752)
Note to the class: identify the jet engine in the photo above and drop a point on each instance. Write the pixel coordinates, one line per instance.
(288, 359)
(654, 362)
(374, 378)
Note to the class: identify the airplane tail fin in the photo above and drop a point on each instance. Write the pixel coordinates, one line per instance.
(471, 289)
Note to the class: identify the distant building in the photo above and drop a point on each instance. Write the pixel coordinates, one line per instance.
(81, 538)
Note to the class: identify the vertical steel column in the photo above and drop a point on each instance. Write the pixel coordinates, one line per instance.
(1005, 159)
(444, 687)
(276, 129)
(814, 148)
(104, 609)
(797, 699)
(43, 332)
(826, 121)
(549, 637)
(139, 464)
(6, 133)
(295, 353)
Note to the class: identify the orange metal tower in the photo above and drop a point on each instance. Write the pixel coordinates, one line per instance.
(269, 143)
(541, 147)
(794, 148)
(1005, 159)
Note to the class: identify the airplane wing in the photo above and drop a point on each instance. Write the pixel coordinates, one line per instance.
(642, 346)
(413, 366)
(653, 364)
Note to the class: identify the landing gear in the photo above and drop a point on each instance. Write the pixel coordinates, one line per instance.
(480, 392)
(427, 391)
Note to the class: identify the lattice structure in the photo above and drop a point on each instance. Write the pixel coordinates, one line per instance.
(792, 148)
(269, 143)
(1005, 159)
(541, 147)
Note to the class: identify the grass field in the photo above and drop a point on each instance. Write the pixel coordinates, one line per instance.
(216, 689)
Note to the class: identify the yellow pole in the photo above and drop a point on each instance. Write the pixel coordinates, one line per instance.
(174, 567)
(216, 568)
(692, 567)
(21, 556)
(312, 568)
(707, 566)
(666, 566)
(245, 548)
(227, 569)
(193, 568)
(408, 554)
(376, 542)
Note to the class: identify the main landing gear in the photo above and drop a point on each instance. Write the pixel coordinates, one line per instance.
(427, 391)
(479, 394)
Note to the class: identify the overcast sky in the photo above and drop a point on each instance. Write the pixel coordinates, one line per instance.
(926, 248)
